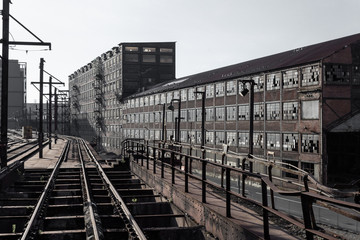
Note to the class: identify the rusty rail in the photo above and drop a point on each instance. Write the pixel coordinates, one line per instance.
(157, 154)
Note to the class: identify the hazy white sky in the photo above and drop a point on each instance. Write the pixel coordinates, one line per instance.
(208, 33)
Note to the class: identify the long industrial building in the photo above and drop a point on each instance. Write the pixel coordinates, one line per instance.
(305, 104)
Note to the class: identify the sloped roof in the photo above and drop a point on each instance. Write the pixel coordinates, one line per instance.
(295, 57)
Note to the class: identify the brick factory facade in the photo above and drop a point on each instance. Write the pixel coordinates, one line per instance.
(306, 106)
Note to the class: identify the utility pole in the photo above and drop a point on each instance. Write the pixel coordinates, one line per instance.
(4, 83)
(41, 134)
(49, 110)
(56, 114)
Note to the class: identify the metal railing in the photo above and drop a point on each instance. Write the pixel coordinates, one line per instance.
(172, 156)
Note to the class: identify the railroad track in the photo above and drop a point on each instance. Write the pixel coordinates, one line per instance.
(88, 201)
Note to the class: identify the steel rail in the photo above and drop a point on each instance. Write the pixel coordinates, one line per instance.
(89, 200)
(49, 185)
(130, 218)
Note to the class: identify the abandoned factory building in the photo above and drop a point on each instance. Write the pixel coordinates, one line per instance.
(306, 103)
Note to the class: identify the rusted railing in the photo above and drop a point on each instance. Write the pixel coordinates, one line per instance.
(172, 156)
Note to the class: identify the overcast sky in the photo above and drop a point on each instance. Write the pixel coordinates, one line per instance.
(208, 33)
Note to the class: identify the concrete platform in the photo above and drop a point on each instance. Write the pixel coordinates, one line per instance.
(243, 224)
(50, 157)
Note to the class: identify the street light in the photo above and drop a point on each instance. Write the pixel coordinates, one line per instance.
(251, 108)
(172, 108)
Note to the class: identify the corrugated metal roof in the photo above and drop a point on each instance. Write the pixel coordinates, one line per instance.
(295, 57)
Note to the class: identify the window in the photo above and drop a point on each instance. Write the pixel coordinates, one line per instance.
(210, 91)
(162, 98)
(146, 101)
(219, 138)
(356, 74)
(151, 100)
(258, 111)
(157, 99)
(290, 110)
(310, 76)
(184, 95)
(169, 116)
(231, 113)
(290, 79)
(169, 97)
(273, 81)
(258, 140)
(231, 88)
(183, 114)
(191, 115)
(209, 137)
(273, 111)
(149, 58)
(209, 114)
(310, 109)
(184, 136)
(166, 59)
(149, 49)
(291, 142)
(131, 57)
(338, 74)
(220, 114)
(310, 143)
(131, 49)
(308, 167)
(231, 138)
(200, 89)
(166, 50)
(192, 136)
(244, 112)
(293, 163)
(259, 83)
(198, 115)
(191, 95)
(220, 89)
(273, 141)
(176, 95)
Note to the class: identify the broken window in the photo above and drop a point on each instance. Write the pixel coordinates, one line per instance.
(209, 139)
(290, 110)
(219, 138)
(231, 138)
(220, 89)
(310, 76)
(310, 143)
(200, 89)
(231, 113)
(244, 112)
(243, 138)
(220, 114)
(259, 83)
(273, 81)
(290, 78)
(291, 142)
(149, 49)
(258, 140)
(273, 141)
(337, 74)
(231, 88)
(310, 109)
(259, 111)
(273, 111)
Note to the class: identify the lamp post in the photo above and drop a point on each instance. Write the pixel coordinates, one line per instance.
(177, 121)
(251, 112)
